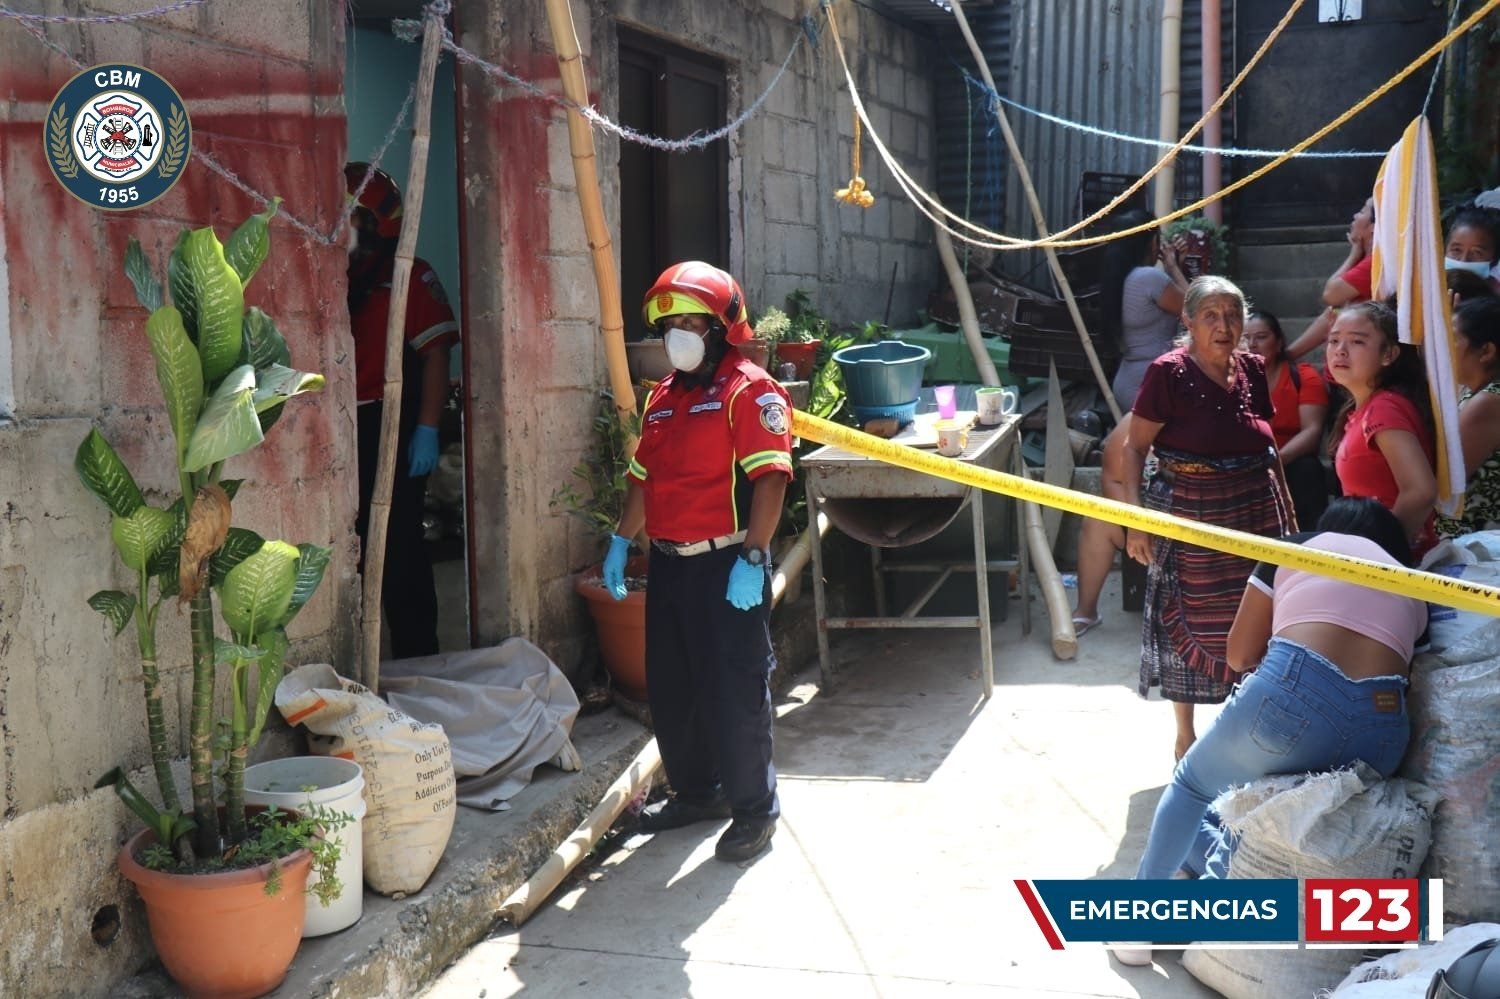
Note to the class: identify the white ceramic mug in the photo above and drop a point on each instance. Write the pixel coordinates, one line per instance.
(952, 437)
(995, 404)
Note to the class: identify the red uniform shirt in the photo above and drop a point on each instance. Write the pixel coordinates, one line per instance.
(1363, 470)
(429, 324)
(702, 447)
(1286, 397)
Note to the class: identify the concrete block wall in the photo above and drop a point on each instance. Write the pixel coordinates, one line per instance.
(263, 89)
(535, 358)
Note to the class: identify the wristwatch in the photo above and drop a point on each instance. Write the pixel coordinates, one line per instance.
(754, 556)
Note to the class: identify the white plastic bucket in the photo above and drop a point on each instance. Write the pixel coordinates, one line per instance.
(339, 786)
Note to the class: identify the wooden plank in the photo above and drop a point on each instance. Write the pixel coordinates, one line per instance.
(1058, 470)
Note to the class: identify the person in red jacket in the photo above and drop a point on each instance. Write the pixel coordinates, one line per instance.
(707, 484)
(408, 594)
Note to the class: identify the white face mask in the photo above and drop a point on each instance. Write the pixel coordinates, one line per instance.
(1478, 267)
(685, 350)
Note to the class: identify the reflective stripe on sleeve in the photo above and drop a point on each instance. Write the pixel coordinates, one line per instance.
(637, 469)
(761, 459)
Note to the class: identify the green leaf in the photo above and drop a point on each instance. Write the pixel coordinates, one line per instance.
(106, 476)
(239, 544)
(142, 535)
(179, 372)
(246, 249)
(268, 675)
(230, 652)
(275, 384)
(257, 592)
(220, 301)
(231, 486)
(184, 293)
(264, 344)
(165, 561)
(114, 605)
(138, 269)
(228, 425)
(269, 417)
(169, 825)
(311, 562)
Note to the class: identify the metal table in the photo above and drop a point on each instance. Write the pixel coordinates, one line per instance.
(832, 474)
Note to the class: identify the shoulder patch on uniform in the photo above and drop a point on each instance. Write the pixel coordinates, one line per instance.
(435, 287)
(773, 417)
(767, 399)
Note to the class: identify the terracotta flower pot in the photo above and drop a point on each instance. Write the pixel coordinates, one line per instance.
(220, 935)
(621, 626)
(803, 356)
(757, 352)
(647, 359)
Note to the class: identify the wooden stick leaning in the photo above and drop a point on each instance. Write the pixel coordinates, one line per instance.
(526, 899)
(968, 318)
(1036, 213)
(586, 180)
(1064, 638)
(395, 342)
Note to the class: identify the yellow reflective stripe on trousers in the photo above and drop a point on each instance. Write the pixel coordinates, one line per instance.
(1389, 578)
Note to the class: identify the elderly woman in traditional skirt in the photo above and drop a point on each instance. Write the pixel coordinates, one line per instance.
(1205, 410)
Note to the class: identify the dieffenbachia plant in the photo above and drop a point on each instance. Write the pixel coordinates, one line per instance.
(225, 374)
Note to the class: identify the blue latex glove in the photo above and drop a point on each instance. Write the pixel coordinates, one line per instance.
(614, 567)
(746, 585)
(422, 452)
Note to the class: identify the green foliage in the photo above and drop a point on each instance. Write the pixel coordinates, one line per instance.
(224, 372)
(597, 496)
(272, 836)
(799, 322)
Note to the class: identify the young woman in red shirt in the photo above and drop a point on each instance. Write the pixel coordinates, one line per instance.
(1383, 439)
(1300, 400)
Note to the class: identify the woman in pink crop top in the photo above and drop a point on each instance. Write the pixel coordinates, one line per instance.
(1323, 694)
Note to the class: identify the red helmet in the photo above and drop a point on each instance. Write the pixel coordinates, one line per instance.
(381, 196)
(693, 286)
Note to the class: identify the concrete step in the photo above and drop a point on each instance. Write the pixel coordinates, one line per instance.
(1284, 296)
(1290, 260)
(1290, 235)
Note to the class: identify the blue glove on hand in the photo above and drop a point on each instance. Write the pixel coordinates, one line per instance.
(422, 452)
(746, 585)
(614, 567)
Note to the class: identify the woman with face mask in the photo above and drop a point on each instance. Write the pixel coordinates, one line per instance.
(1476, 335)
(706, 483)
(1474, 243)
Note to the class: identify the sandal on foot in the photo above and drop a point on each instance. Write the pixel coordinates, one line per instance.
(1081, 625)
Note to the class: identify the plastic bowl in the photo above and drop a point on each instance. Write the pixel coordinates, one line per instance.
(888, 373)
(903, 413)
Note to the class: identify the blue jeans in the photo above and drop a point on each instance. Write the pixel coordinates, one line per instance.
(1297, 713)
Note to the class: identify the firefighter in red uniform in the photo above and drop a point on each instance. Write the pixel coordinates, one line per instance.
(407, 591)
(707, 484)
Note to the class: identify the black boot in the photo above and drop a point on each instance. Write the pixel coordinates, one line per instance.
(744, 839)
(676, 812)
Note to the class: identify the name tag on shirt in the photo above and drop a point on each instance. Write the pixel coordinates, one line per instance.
(706, 407)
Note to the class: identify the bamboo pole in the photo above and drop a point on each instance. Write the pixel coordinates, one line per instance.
(1036, 213)
(1064, 637)
(968, 318)
(638, 775)
(586, 179)
(395, 341)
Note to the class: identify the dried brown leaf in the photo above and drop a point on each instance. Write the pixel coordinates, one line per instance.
(208, 526)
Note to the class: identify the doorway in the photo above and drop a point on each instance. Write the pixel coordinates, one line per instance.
(1314, 72)
(673, 206)
(379, 71)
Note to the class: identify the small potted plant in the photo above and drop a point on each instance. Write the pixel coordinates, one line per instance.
(803, 335)
(222, 882)
(596, 497)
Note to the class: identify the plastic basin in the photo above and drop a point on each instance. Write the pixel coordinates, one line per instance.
(888, 373)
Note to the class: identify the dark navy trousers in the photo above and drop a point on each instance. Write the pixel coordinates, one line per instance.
(708, 667)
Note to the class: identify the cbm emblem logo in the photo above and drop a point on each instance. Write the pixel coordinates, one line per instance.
(117, 136)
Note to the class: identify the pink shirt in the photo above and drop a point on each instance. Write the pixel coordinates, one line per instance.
(1299, 597)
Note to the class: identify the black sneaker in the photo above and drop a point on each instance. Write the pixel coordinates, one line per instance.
(744, 839)
(675, 813)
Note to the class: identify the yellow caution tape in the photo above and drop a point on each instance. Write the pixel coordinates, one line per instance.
(1392, 579)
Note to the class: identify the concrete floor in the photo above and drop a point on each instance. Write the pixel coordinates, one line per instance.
(909, 806)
